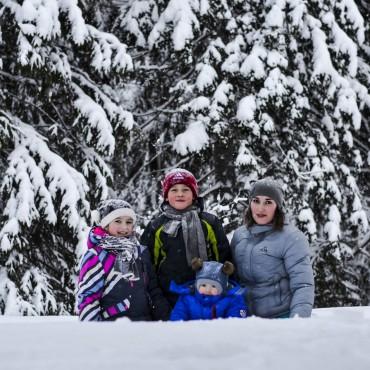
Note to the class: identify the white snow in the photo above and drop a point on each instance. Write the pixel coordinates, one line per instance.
(194, 139)
(206, 76)
(332, 227)
(306, 216)
(246, 108)
(333, 339)
(351, 14)
(181, 14)
(245, 157)
(253, 63)
(275, 17)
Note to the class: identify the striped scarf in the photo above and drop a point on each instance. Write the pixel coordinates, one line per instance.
(125, 249)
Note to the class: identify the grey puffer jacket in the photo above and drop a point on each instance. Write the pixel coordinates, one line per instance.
(275, 267)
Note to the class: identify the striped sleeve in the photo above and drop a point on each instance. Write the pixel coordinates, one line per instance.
(90, 287)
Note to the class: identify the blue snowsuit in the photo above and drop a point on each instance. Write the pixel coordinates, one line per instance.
(192, 305)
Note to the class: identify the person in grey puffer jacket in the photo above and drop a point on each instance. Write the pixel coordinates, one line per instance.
(272, 257)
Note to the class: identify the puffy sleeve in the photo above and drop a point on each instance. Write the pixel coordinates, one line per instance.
(237, 308)
(234, 241)
(301, 280)
(180, 311)
(160, 306)
(90, 287)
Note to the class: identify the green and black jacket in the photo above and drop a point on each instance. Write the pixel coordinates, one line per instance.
(168, 253)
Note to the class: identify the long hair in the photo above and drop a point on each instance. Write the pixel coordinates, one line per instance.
(277, 221)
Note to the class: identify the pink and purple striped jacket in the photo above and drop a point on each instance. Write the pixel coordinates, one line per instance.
(104, 294)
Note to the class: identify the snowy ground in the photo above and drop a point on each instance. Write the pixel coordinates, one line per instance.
(333, 339)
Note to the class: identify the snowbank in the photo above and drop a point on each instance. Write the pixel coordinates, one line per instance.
(333, 339)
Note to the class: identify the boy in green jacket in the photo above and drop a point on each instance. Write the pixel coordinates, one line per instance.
(182, 232)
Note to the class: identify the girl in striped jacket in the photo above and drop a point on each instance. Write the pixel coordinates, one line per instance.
(116, 276)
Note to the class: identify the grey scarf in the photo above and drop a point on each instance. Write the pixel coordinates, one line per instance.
(192, 231)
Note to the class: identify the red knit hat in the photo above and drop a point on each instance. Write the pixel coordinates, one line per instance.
(179, 176)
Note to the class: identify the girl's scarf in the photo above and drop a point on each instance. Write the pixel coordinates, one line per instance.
(125, 249)
(192, 231)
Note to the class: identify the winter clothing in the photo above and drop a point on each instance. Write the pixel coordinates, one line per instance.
(192, 305)
(109, 210)
(194, 240)
(212, 273)
(179, 176)
(117, 279)
(268, 188)
(165, 237)
(275, 268)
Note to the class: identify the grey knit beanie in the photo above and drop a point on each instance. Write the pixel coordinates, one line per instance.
(110, 209)
(269, 188)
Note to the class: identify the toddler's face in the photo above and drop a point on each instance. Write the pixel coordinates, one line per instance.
(208, 289)
(180, 197)
(121, 227)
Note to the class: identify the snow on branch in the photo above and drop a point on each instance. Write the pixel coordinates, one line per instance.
(97, 119)
(245, 156)
(10, 299)
(74, 15)
(35, 179)
(347, 103)
(37, 17)
(39, 22)
(254, 63)
(221, 98)
(322, 62)
(131, 21)
(194, 139)
(275, 17)
(351, 15)
(59, 64)
(181, 14)
(246, 109)
(27, 54)
(108, 52)
(41, 18)
(35, 284)
(342, 42)
(96, 165)
(115, 111)
(206, 77)
(332, 227)
(306, 217)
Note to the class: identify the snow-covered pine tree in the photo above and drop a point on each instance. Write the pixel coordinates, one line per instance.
(235, 90)
(183, 104)
(362, 138)
(58, 111)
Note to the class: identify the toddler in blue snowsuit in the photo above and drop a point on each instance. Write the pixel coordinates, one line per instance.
(211, 296)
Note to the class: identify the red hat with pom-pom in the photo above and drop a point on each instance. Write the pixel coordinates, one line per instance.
(179, 176)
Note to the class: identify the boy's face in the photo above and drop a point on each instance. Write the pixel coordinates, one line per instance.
(121, 227)
(208, 289)
(180, 197)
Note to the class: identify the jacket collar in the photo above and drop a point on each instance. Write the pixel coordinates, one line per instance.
(258, 229)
